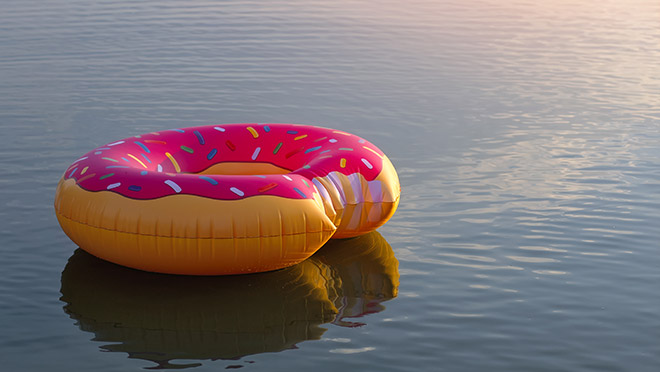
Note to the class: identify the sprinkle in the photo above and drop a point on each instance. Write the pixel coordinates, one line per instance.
(174, 163)
(106, 176)
(145, 148)
(116, 161)
(138, 136)
(237, 191)
(84, 170)
(211, 154)
(268, 187)
(187, 149)
(219, 129)
(179, 130)
(346, 148)
(81, 159)
(144, 173)
(199, 137)
(292, 131)
(340, 132)
(256, 153)
(116, 166)
(277, 148)
(72, 172)
(137, 160)
(160, 168)
(135, 188)
(124, 159)
(254, 132)
(156, 141)
(287, 177)
(306, 166)
(103, 148)
(361, 141)
(209, 180)
(342, 163)
(320, 139)
(266, 128)
(372, 150)
(324, 151)
(98, 152)
(332, 140)
(115, 143)
(293, 152)
(113, 185)
(146, 158)
(312, 149)
(305, 181)
(300, 137)
(173, 185)
(86, 177)
(231, 146)
(259, 175)
(300, 192)
(366, 162)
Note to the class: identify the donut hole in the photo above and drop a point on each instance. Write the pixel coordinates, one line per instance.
(244, 168)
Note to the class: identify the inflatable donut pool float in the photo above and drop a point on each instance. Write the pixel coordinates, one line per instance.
(224, 199)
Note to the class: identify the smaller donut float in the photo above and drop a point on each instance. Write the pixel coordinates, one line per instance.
(225, 199)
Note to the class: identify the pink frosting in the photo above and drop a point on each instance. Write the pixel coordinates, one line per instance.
(165, 163)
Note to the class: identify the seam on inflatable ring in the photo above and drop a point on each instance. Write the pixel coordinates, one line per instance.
(186, 237)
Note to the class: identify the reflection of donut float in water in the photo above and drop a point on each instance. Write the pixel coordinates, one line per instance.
(226, 199)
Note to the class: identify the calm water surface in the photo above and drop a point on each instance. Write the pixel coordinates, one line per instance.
(527, 139)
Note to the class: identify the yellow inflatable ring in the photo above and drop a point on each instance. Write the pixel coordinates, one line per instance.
(224, 199)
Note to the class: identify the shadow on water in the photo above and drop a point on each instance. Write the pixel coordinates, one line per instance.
(161, 318)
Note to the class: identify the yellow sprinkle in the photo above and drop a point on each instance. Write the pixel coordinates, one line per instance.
(176, 165)
(374, 151)
(342, 163)
(300, 137)
(84, 170)
(254, 132)
(138, 160)
(340, 132)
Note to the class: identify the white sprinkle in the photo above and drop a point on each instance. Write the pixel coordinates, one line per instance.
(237, 191)
(361, 141)
(81, 159)
(366, 162)
(219, 129)
(173, 185)
(113, 185)
(115, 143)
(332, 140)
(287, 177)
(160, 168)
(256, 153)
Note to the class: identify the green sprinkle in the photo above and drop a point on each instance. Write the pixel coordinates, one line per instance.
(346, 148)
(106, 176)
(277, 148)
(187, 149)
(305, 181)
(116, 161)
(306, 167)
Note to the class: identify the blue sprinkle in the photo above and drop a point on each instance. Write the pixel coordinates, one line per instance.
(179, 130)
(97, 153)
(126, 160)
(146, 158)
(144, 173)
(324, 151)
(260, 176)
(72, 172)
(199, 137)
(135, 188)
(116, 166)
(209, 180)
(312, 149)
(300, 192)
(292, 131)
(143, 146)
(266, 128)
(212, 154)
